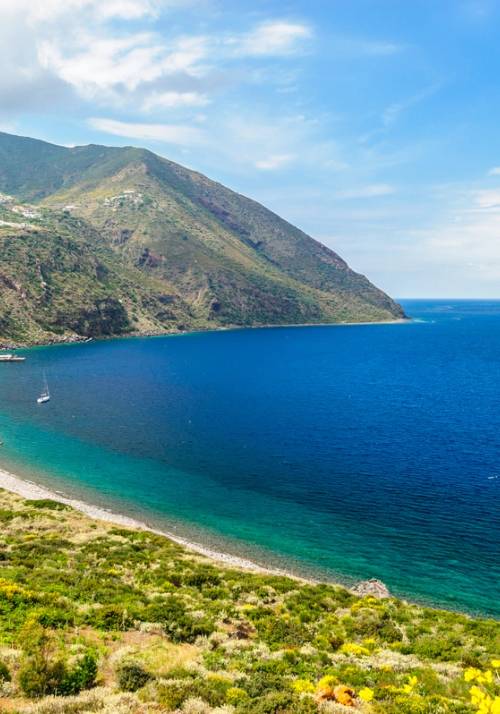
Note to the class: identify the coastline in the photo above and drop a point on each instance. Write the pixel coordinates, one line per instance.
(185, 525)
(29, 490)
(82, 339)
(32, 491)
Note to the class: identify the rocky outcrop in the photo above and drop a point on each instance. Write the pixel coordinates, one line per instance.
(373, 587)
(104, 318)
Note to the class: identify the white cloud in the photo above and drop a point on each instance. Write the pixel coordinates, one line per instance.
(495, 171)
(371, 191)
(451, 254)
(174, 100)
(267, 142)
(53, 10)
(167, 133)
(462, 244)
(272, 38)
(356, 47)
(111, 53)
(468, 245)
(185, 55)
(488, 198)
(125, 9)
(102, 63)
(275, 161)
(74, 50)
(393, 111)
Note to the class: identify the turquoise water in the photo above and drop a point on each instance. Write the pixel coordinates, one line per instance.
(342, 452)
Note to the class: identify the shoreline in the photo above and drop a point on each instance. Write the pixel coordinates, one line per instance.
(29, 490)
(33, 491)
(82, 339)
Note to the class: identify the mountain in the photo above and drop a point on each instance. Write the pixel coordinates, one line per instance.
(99, 240)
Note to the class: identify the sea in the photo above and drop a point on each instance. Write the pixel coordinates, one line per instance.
(334, 452)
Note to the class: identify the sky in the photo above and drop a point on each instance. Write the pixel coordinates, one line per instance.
(373, 125)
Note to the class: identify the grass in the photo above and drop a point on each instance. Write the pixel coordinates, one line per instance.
(199, 637)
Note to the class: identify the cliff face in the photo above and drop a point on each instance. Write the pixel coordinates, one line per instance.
(176, 250)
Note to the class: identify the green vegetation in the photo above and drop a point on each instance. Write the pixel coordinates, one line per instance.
(95, 618)
(132, 676)
(119, 240)
(58, 279)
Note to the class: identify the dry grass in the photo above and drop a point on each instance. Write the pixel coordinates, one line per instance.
(101, 700)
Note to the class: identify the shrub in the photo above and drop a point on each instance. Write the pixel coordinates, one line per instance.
(280, 703)
(39, 677)
(436, 648)
(178, 624)
(281, 632)
(6, 516)
(49, 503)
(82, 676)
(236, 695)
(261, 683)
(55, 617)
(132, 676)
(203, 575)
(172, 694)
(213, 689)
(4, 673)
(390, 633)
(110, 617)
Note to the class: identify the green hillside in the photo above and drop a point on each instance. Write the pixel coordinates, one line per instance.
(96, 618)
(58, 278)
(180, 250)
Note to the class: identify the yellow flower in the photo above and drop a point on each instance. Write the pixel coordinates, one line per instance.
(495, 706)
(354, 649)
(303, 685)
(366, 694)
(471, 673)
(495, 663)
(216, 677)
(477, 695)
(234, 695)
(410, 686)
(475, 675)
(328, 681)
(487, 677)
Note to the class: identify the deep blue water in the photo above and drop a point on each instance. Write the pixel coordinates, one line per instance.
(345, 452)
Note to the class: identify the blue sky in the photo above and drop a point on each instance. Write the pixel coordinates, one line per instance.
(372, 125)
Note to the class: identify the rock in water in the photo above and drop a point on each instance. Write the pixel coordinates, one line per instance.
(373, 587)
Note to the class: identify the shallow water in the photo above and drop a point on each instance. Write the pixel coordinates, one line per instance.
(344, 452)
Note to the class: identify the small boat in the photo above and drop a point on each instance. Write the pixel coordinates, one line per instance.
(45, 395)
(11, 358)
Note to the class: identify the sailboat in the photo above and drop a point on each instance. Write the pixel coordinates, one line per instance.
(45, 395)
